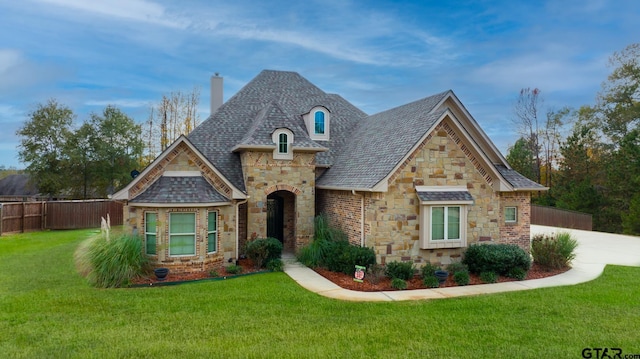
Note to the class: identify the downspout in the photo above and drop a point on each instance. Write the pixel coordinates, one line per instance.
(238, 226)
(361, 217)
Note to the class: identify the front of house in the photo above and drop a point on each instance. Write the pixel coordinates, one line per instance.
(420, 182)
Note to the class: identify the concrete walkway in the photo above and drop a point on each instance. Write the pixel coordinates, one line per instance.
(595, 250)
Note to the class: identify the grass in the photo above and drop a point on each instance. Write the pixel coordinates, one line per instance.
(47, 310)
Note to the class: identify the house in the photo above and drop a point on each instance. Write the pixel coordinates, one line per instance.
(419, 182)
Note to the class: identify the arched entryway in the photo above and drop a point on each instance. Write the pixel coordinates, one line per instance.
(281, 218)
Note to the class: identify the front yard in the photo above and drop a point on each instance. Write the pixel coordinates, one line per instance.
(48, 310)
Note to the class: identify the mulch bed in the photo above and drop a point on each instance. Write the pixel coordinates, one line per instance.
(347, 282)
(246, 264)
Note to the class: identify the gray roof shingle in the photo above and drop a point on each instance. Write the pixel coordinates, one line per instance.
(445, 196)
(517, 180)
(380, 142)
(180, 190)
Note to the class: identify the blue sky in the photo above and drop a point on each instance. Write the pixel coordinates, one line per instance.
(376, 54)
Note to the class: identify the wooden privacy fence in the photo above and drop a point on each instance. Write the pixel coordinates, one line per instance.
(556, 217)
(36, 216)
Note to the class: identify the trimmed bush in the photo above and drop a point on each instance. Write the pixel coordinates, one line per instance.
(497, 258)
(343, 257)
(517, 273)
(461, 277)
(489, 277)
(275, 265)
(457, 267)
(115, 262)
(553, 252)
(397, 283)
(233, 269)
(263, 250)
(431, 281)
(428, 270)
(402, 270)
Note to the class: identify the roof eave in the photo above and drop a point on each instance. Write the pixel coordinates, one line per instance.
(178, 205)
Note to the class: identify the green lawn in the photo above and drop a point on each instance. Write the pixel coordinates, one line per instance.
(48, 310)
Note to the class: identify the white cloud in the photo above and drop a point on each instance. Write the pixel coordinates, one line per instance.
(133, 10)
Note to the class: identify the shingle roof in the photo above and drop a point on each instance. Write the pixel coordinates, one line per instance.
(380, 142)
(180, 190)
(445, 196)
(270, 118)
(294, 96)
(517, 180)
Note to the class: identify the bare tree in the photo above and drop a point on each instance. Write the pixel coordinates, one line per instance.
(526, 110)
(175, 115)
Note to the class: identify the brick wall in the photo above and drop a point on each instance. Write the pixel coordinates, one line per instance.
(344, 211)
(516, 233)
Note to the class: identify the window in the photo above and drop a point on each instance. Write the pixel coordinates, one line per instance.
(319, 123)
(445, 223)
(150, 223)
(283, 139)
(212, 232)
(182, 234)
(511, 214)
(283, 145)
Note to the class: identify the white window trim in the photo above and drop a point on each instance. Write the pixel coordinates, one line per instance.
(182, 234)
(146, 241)
(509, 221)
(425, 227)
(275, 137)
(214, 213)
(310, 122)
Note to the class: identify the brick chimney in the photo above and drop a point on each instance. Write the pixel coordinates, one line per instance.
(216, 93)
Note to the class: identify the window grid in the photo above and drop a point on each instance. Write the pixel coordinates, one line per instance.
(182, 234)
(282, 143)
(445, 223)
(511, 214)
(150, 232)
(319, 123)
(212, 232)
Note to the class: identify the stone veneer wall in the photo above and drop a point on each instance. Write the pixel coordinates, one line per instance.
(201, 261)
(392, 218)
(264, 175)
(344, 211)
(516, 233)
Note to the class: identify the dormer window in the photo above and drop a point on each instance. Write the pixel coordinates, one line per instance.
(282, 138)
(317, 121)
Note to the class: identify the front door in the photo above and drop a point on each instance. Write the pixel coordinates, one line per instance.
(275, 217)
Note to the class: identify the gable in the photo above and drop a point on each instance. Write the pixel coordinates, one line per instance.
(181, 159)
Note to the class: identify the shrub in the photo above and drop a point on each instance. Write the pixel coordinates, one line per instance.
(498, 258)
(398, 283)
(234, 269)
(461, 277)
(263, 250)
(517, 273)
(214, 273)
(428, 270)
(275, 265)
(489, 277)
(314, 254)
(430, 281)
(115, 262)
(375, 272)
(553, 252)
(457, 267)
(343, 257)
(401, 270)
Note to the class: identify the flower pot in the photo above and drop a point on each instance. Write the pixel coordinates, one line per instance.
(161, 273)
(441, 275)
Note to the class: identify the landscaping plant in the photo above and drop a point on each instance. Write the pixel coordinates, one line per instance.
(553, 251)
(398, 283)
(401, 270)
(498, 258)
(461, 277)
(263, 250)
(114, 262)
(489, 277)
(430, 281)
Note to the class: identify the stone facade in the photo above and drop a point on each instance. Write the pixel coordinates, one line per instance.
(265, 175)
(392, 219)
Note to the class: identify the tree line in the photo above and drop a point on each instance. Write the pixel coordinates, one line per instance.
(100, 156)
(589, 157)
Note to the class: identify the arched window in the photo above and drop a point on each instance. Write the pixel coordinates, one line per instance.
(283, 139)
(319, 123)
(283, 144)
